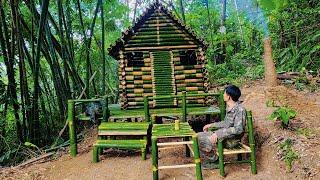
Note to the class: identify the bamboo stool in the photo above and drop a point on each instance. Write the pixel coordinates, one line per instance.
(244, 149)
(162, 131)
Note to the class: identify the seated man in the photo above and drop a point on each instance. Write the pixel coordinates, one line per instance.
(231, 129)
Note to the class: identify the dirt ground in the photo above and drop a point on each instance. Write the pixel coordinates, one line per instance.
(118, 165)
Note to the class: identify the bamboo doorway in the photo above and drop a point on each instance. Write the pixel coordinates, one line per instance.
(163, 81)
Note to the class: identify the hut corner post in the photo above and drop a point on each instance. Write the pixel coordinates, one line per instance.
(72, 128)
(222, 106)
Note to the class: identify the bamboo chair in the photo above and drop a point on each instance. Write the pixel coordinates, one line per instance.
(244, 149)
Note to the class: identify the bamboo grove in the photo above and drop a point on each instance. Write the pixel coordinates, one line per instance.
(40, 46)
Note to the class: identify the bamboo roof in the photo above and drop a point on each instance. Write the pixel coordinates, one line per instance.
(156, 27)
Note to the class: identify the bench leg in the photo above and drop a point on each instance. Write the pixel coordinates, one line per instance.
(154, 158)
(197, 157)
(186, 146)
(221, 158)
(143, 154)
(95, 155)
(253, 159)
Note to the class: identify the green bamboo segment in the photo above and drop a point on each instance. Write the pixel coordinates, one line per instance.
(162, 43)
(72, 128)
(188, 76)
(159, 38)
(221, 158)
(189, 85)
(135, 103)
(192, 71)
(181, 81)
(190, 88)
(145, 90)
(154, 36)
(197, 157)
(147, 86)
(184, 107)
(251, 143)
(222, 106)
(154, 158)
(138, 73)
(146, 77)
(139, 81)
(123, 126)
(95, 155)
(127, 69)
(122, 144)
(139, 94)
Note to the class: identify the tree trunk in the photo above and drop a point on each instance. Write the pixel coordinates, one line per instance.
(270, 69)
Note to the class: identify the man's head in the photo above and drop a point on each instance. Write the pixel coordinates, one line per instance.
(231, 93)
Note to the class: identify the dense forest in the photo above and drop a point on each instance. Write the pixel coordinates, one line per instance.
(52, 51)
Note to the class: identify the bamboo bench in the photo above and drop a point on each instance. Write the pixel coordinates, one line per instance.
(119, 144)
(243, 149)
(113, 129)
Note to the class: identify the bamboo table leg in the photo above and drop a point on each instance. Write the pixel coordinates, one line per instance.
(197, 157)
(186, 146)
(154, 158)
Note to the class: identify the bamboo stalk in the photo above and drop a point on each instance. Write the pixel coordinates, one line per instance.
(160, 47)
(72, 129)
(128, 69)
(187, 76)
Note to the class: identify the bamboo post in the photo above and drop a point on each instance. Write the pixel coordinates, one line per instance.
(252, 143)
(146, 109)
(154, 158)
(222, 106)
(221, 158)
(197, 157)
(95, 156)
(106, 112)
(184, 107)
(186, 146)
(72, 129)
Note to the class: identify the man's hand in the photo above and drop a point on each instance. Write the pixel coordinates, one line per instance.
(213, 138)
(206, 127)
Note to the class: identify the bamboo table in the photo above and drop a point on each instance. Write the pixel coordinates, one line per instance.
(161, 131)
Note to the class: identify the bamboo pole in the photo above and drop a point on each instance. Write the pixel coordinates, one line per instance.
(154, 158)
(251, 143)
(188, 76)
(146, 109)
(222, 106)
(221, 158)
(184, 107)
(72, 129)
(160, 47)
(197, 157)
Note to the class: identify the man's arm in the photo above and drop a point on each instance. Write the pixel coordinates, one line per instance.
(236, 129)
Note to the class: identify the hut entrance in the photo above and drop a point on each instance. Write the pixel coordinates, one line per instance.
(163, 77)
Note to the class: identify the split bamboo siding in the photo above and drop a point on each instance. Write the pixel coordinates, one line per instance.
(150, 62)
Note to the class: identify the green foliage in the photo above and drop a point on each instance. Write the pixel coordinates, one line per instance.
(284, 114)
(288, 154)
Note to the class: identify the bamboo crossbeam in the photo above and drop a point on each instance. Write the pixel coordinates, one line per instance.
(190, 85)
(148, 86)
(139, 95)
(177, 166)
(128, 69)
(160, 47)
(145, 90)
(152, 36)
(138, 81)
(122, 133)
(188, 76)
(174, 143)
(136, 73)
(191, 71)
(189, 81)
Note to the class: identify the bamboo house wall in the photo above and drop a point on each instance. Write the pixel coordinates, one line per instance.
(159, 56)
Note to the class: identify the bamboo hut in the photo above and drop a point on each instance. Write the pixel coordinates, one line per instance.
(158, 56)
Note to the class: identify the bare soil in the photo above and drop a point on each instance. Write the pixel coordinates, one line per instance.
(126, 165)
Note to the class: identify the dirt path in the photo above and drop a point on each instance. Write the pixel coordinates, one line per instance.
(129, 166)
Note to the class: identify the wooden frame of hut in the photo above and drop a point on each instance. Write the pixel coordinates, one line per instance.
(159, 56)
